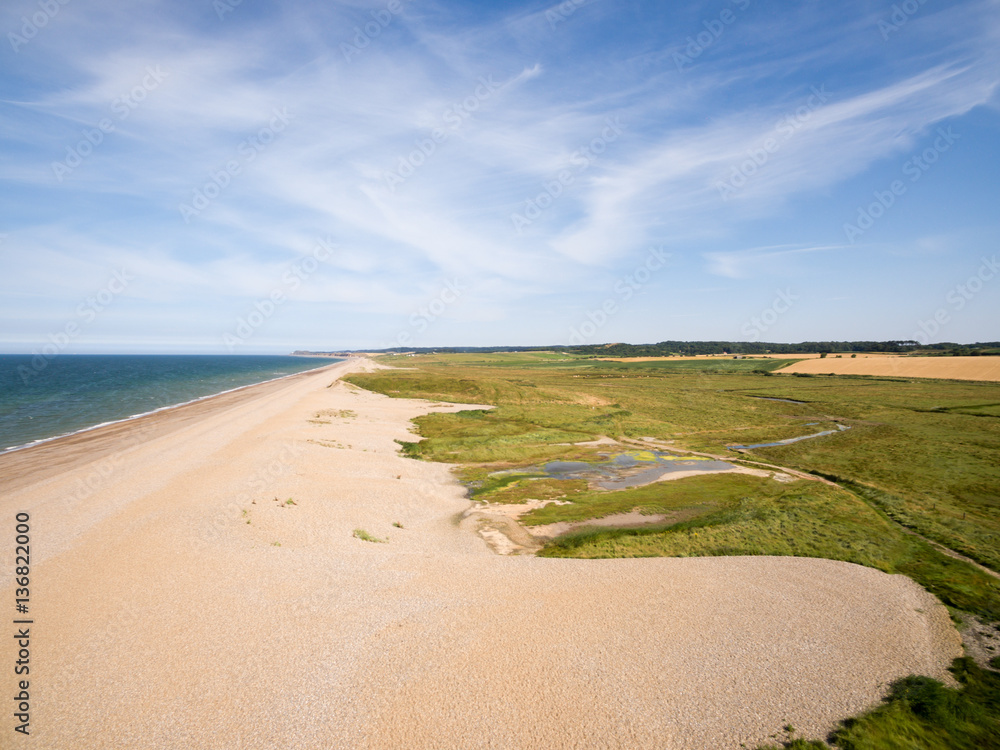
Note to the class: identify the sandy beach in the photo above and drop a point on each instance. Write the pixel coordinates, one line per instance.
(196, 583)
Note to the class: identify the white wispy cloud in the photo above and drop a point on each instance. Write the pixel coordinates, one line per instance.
(777, 261)
(520, 98)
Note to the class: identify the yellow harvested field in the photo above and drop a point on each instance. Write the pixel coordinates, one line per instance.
(952, 368)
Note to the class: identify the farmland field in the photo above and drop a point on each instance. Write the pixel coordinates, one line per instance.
(952, 368)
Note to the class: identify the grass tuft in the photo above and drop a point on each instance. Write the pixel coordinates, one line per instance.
(366, 537)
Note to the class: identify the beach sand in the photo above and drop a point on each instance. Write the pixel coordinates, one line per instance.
(163, 619)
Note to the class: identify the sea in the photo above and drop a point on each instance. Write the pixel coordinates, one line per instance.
(43, 398)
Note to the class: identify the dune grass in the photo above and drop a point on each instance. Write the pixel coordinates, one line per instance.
(366, 537)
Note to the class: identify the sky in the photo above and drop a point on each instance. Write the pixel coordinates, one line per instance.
(246, 176)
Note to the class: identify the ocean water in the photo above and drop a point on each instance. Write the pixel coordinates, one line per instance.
(41, 399)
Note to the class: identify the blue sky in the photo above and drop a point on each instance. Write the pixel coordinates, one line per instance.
(248, 177)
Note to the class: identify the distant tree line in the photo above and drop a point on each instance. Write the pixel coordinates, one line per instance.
(691, 348)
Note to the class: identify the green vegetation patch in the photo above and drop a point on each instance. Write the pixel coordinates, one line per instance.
(499, 483)
(695, 495)
(521, 488)
(920, 713)
(506, 434)
(749, 516)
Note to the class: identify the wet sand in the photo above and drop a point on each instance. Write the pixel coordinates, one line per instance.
(180, 600)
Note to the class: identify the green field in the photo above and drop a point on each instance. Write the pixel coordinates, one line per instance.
(920, 456)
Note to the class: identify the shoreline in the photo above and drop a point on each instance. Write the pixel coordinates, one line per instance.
(40, 441)
(96, 442)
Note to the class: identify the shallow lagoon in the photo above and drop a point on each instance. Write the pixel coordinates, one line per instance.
(631, 469)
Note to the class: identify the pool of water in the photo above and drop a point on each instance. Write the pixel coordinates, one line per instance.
(559, 469)
(632, 469)
(775, 398)
(660, 470)
(789, 441)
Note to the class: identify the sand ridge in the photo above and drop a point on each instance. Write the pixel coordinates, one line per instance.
(164, 619)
